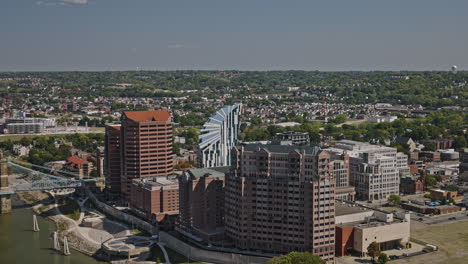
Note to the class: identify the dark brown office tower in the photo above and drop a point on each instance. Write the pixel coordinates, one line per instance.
(280, 199)
(112, 160)
(146, 146)
(201, 204)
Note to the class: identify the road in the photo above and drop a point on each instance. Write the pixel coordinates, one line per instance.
(61, 131)
(437, 219)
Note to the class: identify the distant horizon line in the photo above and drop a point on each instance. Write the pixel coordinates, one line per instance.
(222, 70)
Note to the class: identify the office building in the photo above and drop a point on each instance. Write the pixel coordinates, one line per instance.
(294, 138)
(27, 125)
(154, 198)
(375, 170)
(280, 199)
(411, 185)
(112, 160)
(47, 122)
(343, 189)
(201, 204)
(358, 227)
(25, 128)
(145, 146)
(218, 136)
(439, 143)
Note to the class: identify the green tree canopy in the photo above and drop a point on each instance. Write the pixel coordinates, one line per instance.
(383, 258)
(430, 180)
(297, 258)
(373, 250)
(339, 119)
(394, 200)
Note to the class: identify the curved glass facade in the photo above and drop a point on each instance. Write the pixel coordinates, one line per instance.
(218, 136)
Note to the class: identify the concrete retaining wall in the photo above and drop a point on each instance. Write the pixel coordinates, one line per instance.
(209, 256)
(130, 219)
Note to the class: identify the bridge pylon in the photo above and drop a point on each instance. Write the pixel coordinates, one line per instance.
(5, 191)
(35, 224)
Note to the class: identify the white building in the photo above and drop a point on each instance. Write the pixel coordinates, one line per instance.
(380, 119)
(375, 170)
(21, 150)
(25, 128)
(367, 226)
(287, 124)
(218, 136)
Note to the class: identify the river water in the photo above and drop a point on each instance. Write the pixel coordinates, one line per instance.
(20, 245)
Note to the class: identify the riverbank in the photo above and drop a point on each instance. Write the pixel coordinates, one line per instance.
(46, 205)
(67, 213)
(19, 244)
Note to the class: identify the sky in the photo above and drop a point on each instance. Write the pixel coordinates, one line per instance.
(328, 35)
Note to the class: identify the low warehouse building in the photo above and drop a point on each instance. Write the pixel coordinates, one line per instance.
(358, 227)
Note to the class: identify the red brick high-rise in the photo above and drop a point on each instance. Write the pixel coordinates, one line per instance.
(145, 146)
(201, 203)
(280, 199)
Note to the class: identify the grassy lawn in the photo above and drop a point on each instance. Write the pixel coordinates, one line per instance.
(70, 208)
(452, 240)
(139, 232)
(29, 197)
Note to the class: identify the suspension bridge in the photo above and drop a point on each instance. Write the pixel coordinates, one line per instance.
(30, 179)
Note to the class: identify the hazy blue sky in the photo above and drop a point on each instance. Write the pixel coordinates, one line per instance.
(43, 35)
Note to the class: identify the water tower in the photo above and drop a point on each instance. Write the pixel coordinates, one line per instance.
(454, 68)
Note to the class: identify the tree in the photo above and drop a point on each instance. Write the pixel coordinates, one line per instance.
(450, 187)
(383, 258)
(402, 148)
(430, 180)
(394, 200)
(25, 141)
(339, 119)
(373, 250)
(460, 142)
(176, 148)
(297, 258)
(256, 121)
(430, 147)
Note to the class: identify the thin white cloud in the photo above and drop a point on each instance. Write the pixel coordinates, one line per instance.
(177, 46)
(77, 2)
(62, 2)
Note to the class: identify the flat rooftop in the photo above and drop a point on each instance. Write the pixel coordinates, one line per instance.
(346, 209)
(373, 222)
(216, 172)
(153, 183)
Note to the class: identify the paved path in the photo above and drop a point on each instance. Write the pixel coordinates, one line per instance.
(74, 228)
(166, 256)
